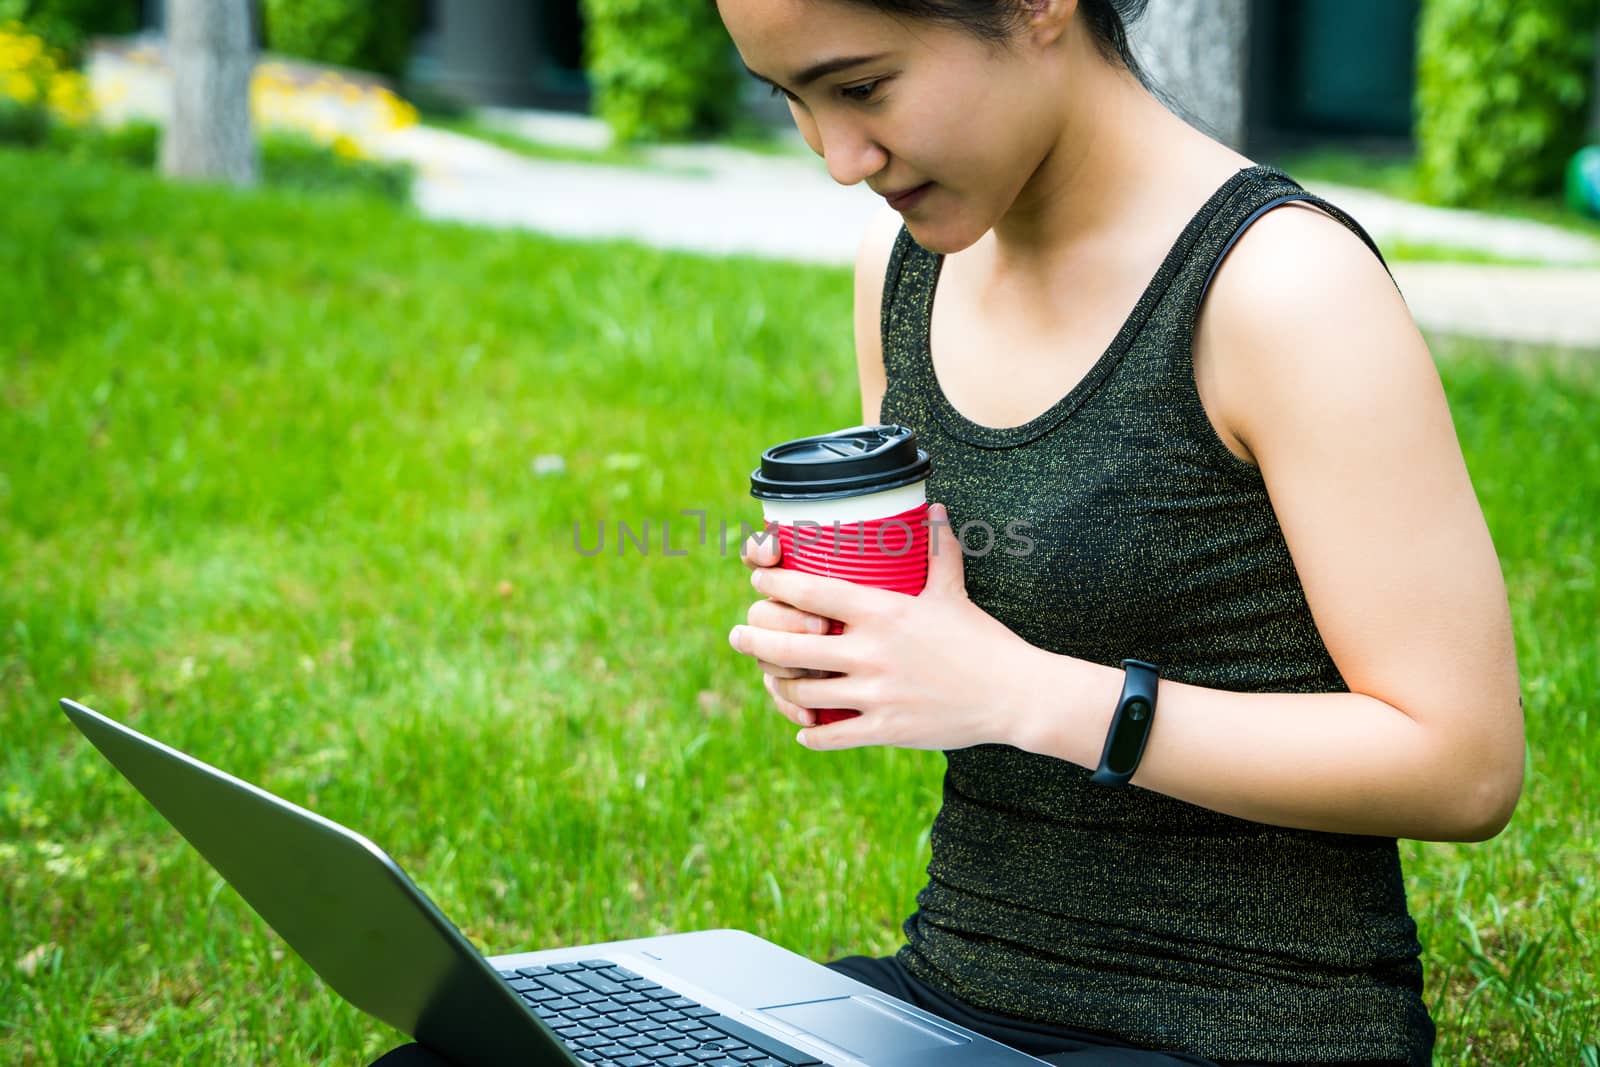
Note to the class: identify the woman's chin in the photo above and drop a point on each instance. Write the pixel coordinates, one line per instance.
(942, 237)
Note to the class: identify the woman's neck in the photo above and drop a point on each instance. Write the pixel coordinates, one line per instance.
(1114, 159)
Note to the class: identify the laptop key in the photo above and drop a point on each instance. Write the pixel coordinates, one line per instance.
(561, 984)
(533, 972)
(751, 1036)
(675, 1061)
(699, 1012)
(564, 968)
(599, 984)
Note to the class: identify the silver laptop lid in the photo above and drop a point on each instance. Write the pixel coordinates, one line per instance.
(339, 901)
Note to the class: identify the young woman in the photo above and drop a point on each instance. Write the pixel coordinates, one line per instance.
(1202, 393)
(1228, 438)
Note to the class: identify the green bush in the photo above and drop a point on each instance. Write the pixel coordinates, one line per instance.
(660, 69)
(346, 33)
(23, 124)
(68, 24)
(1502, 95)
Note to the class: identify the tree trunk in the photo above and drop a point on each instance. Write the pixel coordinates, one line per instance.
(1198, 50)
(210, 54)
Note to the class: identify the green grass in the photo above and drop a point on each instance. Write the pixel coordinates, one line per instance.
(267, 491)
(1397, 251)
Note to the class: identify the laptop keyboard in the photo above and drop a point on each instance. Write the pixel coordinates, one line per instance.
(610, 1017)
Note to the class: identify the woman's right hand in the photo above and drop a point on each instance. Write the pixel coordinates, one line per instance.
(761, 549)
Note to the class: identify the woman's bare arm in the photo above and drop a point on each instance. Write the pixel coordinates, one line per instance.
(1321, 373)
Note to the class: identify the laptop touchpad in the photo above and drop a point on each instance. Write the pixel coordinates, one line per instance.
(865, 1027)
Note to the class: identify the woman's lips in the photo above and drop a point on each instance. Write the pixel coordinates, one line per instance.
(909, 199)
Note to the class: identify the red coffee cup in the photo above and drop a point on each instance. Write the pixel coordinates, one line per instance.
(850, 504)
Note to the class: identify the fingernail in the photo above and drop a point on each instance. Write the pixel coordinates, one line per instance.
(815, 626)
(733, 638)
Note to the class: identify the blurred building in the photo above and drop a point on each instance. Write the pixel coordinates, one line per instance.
(514, 53)
(1309, 71)
(1316, 70)
(1330, 70)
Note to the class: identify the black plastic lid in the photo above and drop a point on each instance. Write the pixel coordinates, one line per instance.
(853, 462)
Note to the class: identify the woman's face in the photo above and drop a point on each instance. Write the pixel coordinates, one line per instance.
(906, 103)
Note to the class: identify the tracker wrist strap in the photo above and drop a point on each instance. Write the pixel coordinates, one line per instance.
(1130, 724)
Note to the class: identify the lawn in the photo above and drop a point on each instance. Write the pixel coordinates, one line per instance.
(276, 486)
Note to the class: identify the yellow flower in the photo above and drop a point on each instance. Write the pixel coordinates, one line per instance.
(20, 87)
(346, 148)
(69, 97)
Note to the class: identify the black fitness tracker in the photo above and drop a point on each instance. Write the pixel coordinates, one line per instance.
(1130, 725)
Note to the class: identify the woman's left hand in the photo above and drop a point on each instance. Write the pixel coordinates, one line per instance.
(934, 671)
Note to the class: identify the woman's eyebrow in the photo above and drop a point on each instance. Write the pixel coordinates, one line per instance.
(819, 70)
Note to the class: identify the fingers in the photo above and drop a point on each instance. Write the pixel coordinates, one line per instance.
(816, 651)
(776, 615)
(761, 549)
(793, 712)
(772, 614)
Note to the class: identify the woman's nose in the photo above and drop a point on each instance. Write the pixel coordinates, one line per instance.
(850, 154)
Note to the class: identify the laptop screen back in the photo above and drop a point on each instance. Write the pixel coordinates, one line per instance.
(339, 901)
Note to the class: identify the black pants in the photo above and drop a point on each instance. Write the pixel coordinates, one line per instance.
(1075, 1048)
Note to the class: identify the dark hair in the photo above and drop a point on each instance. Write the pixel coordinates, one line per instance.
(997, 20)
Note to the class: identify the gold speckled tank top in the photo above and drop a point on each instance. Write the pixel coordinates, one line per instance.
(1125, 911)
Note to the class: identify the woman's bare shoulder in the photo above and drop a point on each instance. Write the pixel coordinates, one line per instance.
(1299, 289)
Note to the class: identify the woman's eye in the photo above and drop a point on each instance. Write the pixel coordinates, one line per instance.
(861, 93)
(779, 90)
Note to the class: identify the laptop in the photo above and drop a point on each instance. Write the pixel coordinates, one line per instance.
(710, 998)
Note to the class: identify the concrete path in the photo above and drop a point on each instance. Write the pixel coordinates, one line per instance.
(722, 201)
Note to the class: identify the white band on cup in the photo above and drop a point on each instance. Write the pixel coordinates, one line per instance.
(846, 509)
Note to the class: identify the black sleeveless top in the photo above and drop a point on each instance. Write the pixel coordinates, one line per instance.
(1127, 912)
